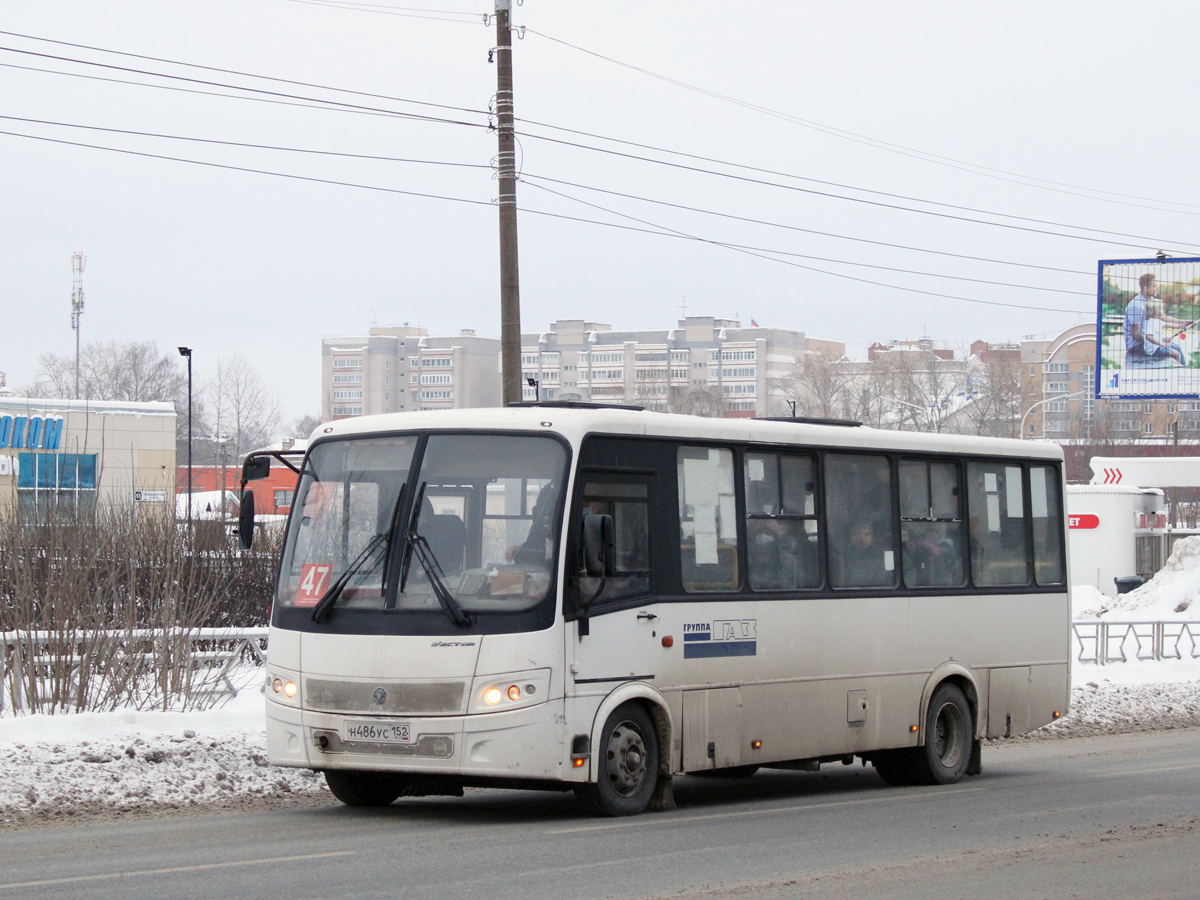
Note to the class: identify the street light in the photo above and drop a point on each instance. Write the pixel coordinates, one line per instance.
(1047, 400)
(533, 383)
(187, 351)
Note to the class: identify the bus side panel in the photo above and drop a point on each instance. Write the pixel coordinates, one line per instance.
(1022, 698)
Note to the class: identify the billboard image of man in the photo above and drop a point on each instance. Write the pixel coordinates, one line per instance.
(1144, 324)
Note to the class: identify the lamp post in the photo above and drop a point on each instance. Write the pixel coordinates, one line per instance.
(187, 351)
(1047, 400)
(535, 384)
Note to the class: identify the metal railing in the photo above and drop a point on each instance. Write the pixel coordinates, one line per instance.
(1111, 642)
(210, 655)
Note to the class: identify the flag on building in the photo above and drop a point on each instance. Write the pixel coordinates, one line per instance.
(753, 323)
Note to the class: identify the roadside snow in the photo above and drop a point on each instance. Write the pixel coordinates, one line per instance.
(1171, 595)
(58, 766)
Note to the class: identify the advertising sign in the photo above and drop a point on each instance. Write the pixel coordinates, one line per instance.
(1148, 328)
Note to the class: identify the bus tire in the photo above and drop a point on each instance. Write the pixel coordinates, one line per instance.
(949, 736)
(365, 788)
(627, 763)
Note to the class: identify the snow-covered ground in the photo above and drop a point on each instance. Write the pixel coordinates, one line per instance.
(121, 763)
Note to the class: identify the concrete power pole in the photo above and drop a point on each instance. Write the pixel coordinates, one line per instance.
(510, 286)
(77, 262)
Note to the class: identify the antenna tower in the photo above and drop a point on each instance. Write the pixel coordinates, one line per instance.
(78, 260)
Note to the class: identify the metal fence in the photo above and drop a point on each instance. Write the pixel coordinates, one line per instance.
(1103, 643)
(210, 655)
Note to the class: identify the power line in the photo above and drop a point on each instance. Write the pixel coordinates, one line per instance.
(961, 165)
(339, 103)
(672, 232)
(389, 10)
(198, 140)
(480, 166)
(175, 62)
(660, 231)
(1143, 240)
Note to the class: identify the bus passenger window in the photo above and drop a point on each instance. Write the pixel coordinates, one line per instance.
(858, 498)
(996, 503)
(1046, 506)
(628, 504)
(931, 524)
(707, 520)
(782, 552)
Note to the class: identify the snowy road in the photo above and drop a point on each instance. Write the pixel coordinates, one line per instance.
(1095, 817)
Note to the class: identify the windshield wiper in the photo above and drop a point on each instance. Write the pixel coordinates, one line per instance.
(324, 606)
(416, 544)
(321, 611)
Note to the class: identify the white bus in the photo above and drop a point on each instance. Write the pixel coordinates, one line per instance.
(598, 599)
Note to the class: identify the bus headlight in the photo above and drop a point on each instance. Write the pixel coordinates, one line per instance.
(282, 687)
(496, 693)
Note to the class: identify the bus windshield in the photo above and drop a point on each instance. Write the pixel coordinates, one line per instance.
(489, 517)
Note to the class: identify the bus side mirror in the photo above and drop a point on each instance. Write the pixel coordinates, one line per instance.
(256, 468)
(598, 546)
(246, 517)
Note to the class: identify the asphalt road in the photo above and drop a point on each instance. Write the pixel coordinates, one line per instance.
(1096, 818)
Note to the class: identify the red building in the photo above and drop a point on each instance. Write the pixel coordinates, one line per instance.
(272, 495)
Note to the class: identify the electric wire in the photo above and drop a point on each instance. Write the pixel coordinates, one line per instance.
(797, 228)
(666, 231)
(307, 84)
(1140, 238)
(389, 10)
(404, 115)
(961, 165)
(199, 140)
(662, 231)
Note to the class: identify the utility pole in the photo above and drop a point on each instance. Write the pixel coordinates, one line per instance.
(77, 263)
(510, 285)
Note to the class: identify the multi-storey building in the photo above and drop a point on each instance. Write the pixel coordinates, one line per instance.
(401, 368)
(1060, 404)
(704, 365)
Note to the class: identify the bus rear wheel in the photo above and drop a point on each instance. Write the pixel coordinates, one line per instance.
(365, 788)
(627, 760)
(949, 734)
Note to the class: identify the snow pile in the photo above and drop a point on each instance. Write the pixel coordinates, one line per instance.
(55, 766)
(1172, 594)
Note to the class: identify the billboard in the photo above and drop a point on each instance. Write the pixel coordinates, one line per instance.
(1148, 328)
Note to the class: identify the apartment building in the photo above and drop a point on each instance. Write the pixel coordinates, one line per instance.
(401, 368)
(705, 365)
(1059, 398)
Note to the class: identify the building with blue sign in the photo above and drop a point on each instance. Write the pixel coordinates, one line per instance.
(77, 453)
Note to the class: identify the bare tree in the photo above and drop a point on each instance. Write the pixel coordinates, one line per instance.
(303, 426)
(132, 370)
(243, 414)
(995, 407)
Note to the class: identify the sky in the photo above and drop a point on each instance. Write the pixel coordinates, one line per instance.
(993, 151)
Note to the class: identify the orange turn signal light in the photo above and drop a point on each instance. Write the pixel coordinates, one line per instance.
(668, 641)
(756, 745)
(1057, 714)
(578, 763)
(912, 728)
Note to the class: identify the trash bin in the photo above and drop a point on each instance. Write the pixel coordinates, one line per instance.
(1128, 583)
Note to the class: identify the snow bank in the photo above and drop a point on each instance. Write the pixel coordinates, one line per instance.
(56, 766)
(1172, 594)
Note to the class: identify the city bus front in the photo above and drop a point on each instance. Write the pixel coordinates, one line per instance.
(414, 642)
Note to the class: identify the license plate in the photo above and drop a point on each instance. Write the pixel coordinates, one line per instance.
(382, 732)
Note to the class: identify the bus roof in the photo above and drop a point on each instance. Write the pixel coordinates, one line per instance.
(575, 424)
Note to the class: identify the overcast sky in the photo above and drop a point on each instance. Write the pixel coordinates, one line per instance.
(1033, 110)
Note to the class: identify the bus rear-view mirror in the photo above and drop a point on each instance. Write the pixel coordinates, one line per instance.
(246, 517)
(598, 545)
(256, 468)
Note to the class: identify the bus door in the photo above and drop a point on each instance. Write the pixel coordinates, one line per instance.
(620, 610)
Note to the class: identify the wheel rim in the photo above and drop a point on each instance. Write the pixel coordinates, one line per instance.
(626, 759)
(949, 735)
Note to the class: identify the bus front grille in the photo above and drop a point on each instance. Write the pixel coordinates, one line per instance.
(401, 697)
(429, 746)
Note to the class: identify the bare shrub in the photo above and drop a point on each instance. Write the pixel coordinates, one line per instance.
(99, 609)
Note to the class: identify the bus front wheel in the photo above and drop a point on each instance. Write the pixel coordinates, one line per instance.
(627, 763)
(365, 788)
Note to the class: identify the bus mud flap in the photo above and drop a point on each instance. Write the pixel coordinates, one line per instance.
(975, 765)
(663, 798)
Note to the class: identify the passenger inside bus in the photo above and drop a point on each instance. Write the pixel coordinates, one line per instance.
(864, 559)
